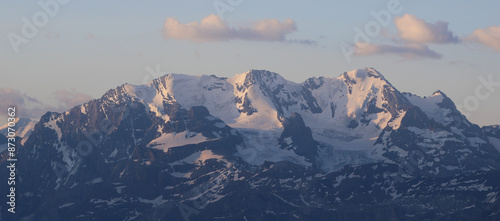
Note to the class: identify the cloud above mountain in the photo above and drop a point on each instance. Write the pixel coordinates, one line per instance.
(412, 40)
(415, 30)
(489, 37)
(213, 28)
(409, 51)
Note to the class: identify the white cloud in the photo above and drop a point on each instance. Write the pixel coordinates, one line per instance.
(213, 28)
(409, 51)
(489, 36)
(412, 40)
(415, 30)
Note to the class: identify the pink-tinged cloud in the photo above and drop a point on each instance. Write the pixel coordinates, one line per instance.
(416, 30)
(489, 36)
(412, 40)
(409, 51)
(213, 28)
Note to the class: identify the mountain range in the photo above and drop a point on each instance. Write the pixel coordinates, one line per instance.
(257, 147)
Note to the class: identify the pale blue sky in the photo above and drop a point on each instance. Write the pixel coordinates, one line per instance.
(92, 46)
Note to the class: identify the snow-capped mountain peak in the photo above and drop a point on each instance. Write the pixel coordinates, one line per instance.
(363, 74)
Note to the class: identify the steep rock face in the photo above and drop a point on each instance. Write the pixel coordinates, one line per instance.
(297, 136)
